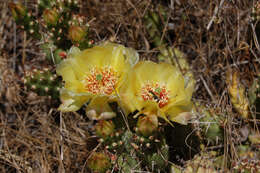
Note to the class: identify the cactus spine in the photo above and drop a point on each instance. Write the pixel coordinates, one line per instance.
(43, 82)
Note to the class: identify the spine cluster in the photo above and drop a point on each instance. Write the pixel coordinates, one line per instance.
(43, 82)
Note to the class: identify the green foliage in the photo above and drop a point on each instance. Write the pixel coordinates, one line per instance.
(43, 82)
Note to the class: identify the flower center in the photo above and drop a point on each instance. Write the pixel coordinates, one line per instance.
(101, 81)
(155, 92)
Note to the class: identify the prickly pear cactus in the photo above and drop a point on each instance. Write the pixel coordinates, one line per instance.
(64, 4)
(204, 162)
(63, 26)
(52, 53)
(248, 160)
(149, 152)
(59, 24)
(209, 125)
(43, 82)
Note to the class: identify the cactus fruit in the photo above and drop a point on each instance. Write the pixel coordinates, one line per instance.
(99, 162)
(43, 82)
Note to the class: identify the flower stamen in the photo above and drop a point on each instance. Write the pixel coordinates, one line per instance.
(155, 92)
(101, 81)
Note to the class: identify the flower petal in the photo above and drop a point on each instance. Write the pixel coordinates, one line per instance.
(72, 101)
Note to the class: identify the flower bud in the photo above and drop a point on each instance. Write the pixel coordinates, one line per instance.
(50, 16)
(77, 33)
(99, 162)
(18, 10)
(147, 124)
(104, 128)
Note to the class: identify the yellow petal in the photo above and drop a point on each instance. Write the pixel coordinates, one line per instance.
(99, 104)
(68, 73)
(78, 69)
(127, 97)
(163, 74)
(72, 101)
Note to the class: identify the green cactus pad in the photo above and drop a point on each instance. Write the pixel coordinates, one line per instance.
(43, 82)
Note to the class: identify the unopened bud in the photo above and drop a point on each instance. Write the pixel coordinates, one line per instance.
(147, 124)
(104, 128)
(99, 162)
(50, 17)
(77, 33)
(18, 10)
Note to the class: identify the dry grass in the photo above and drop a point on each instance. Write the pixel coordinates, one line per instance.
(35, 137)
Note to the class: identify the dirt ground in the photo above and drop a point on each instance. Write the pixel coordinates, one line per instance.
(216, 35)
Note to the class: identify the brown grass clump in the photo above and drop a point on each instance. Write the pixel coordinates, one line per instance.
(216, 36)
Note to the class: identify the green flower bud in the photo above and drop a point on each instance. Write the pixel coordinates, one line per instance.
(147, 124)
(104, 128)
(50, 16)
(18, 10)
(99, 162)
(77, 33)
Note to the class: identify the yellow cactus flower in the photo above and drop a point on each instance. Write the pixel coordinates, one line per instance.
(94, 75)
(157, 89)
